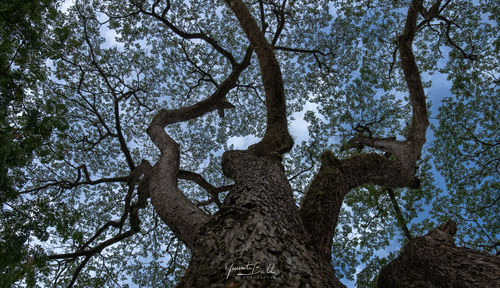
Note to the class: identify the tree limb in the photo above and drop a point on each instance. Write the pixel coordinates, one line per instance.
(277, 138)
(433, 260)
(399, 215)
(173, 207)
(322, 202)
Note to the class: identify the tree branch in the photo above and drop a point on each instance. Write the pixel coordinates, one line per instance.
(433, 260)
(178, 212)
(130, 209)
(399, 215)
(78, 270)
(212, 190)
(143, 194)
(322, 202)
(408, 151)
(183, 34)
(121, 139)
(64, 184)
(277, 138)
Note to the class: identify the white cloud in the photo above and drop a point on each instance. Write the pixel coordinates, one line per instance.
(298, 126)
(242, 143)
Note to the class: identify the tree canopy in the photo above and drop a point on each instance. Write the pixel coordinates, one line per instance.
(82, 81)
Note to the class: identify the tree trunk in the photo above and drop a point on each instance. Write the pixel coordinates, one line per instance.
(257, 238)
(434, 261)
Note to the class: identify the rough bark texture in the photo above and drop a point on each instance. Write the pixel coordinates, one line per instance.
(258, 224)
(434, 261)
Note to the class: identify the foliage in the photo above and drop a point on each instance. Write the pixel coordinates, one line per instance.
(468, 126)
(84, 113)
(28, 117)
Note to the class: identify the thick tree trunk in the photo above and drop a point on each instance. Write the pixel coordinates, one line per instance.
(434, 261)
(257, 239)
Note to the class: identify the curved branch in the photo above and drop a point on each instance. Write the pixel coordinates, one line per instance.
(173, 207)
(336, 178)
(419, 123)
(212, 190)
(277, 138)
(321, 204)
(408, 151)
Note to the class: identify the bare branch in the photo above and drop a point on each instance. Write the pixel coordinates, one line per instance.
(65, 184)
(123, 144)
(78, 270)
(314, 52)
(130, 209)
(280, 18)
(121, 139)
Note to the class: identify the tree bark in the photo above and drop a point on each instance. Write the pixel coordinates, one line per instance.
(434, 261)
(257, 232)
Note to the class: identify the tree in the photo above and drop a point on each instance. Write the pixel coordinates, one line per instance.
(145, 187)
(26, 120)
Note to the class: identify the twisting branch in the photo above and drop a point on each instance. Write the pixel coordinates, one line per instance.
(408, 151)
(173, 207)
(336, 177)
(420, 122)
(277, 138)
